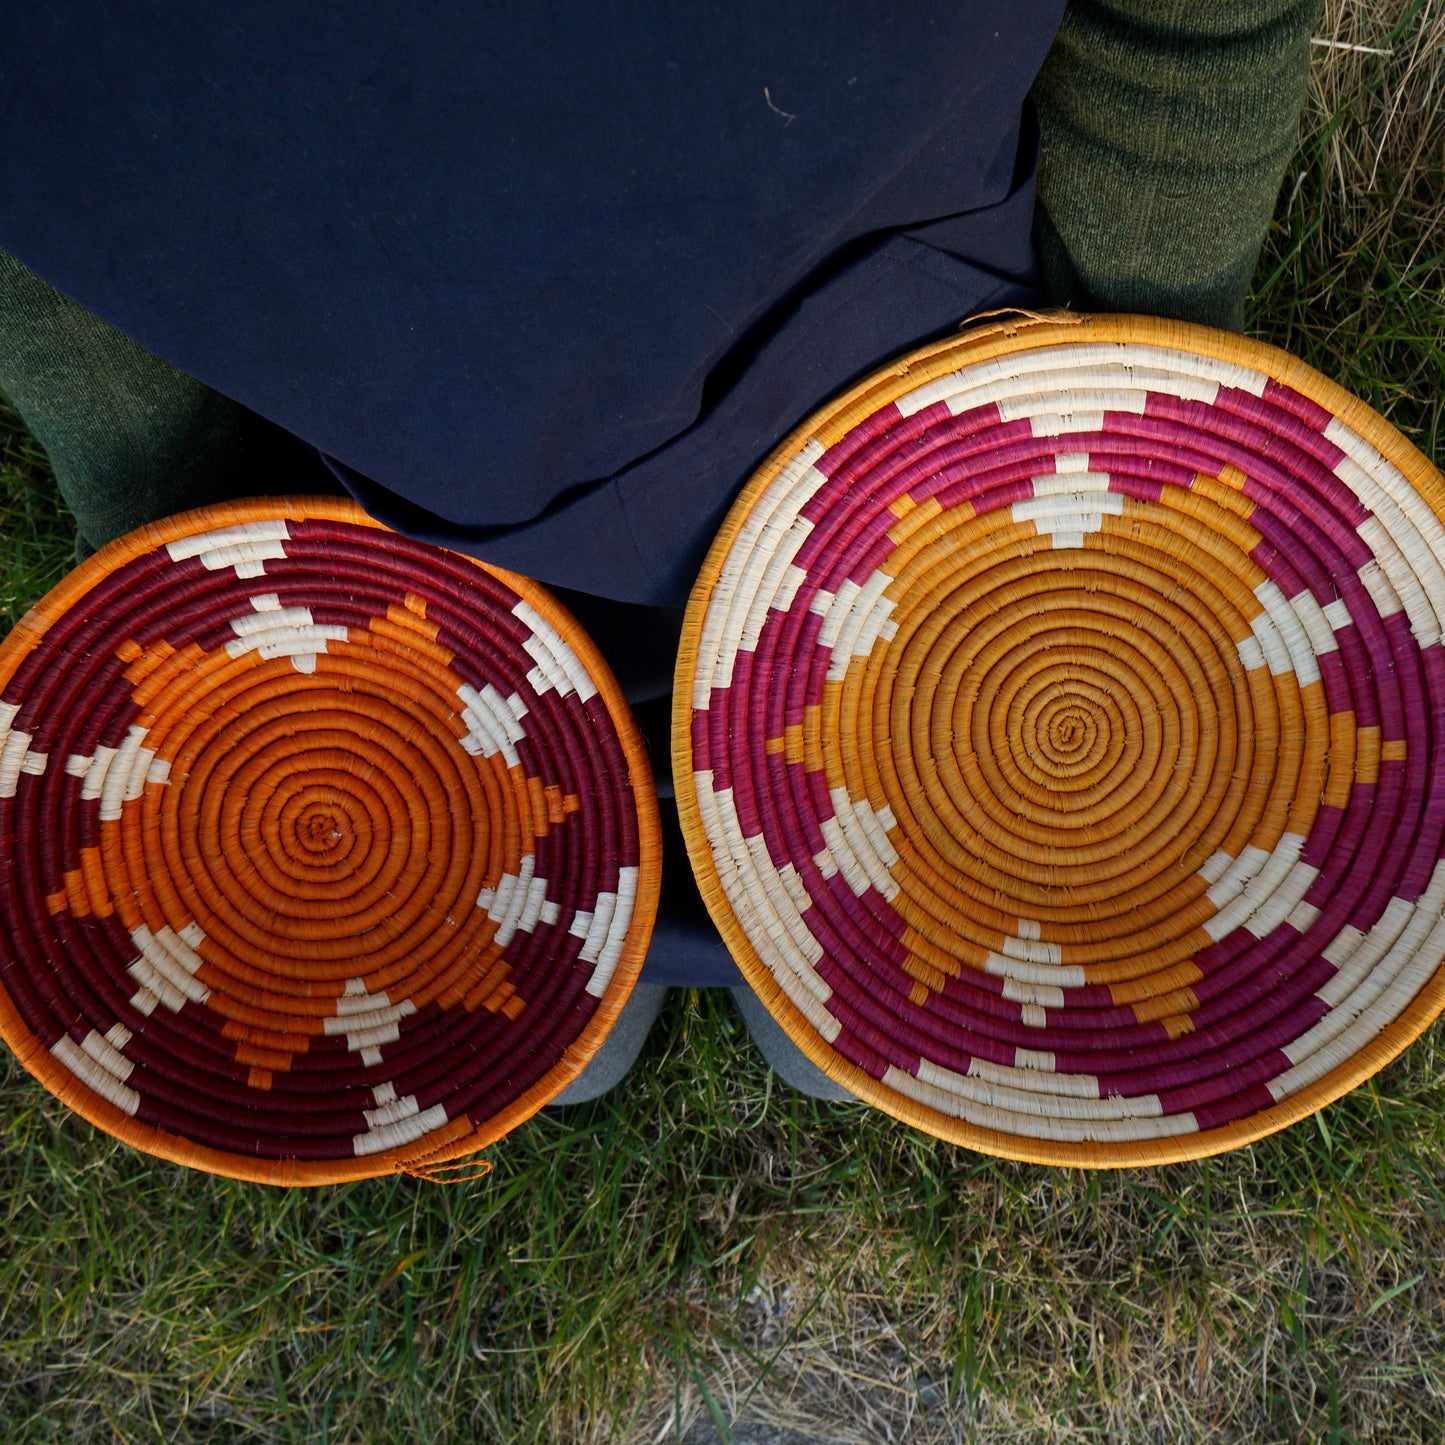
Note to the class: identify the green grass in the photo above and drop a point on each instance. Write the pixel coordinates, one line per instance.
(704, 1245)
(693, 1237)
(37, 535)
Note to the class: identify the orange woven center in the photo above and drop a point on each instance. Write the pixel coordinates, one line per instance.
(322, 819)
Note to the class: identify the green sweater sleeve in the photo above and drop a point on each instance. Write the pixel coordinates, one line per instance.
(1167, 125)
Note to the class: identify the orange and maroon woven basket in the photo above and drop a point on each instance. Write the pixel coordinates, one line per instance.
(1057, 739)
(323, 853)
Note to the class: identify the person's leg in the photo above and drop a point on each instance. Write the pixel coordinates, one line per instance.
(614, 1060)
(1166, 127)
(784, 1057)
(130, 438)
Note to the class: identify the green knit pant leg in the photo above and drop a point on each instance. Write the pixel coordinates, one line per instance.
(1167, 125)
(130, 438)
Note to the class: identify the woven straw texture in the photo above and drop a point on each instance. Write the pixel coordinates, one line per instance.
(1056, 739)
(323, 853)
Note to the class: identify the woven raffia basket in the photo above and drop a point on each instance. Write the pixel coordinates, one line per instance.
(1056, 739)
(323, 853)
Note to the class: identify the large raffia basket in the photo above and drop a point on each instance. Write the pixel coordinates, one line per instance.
(323, 853)
(1057, 739)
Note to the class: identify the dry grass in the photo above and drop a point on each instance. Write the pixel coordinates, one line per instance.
(1377, 104)
(1285, 1293)
(1354, 269)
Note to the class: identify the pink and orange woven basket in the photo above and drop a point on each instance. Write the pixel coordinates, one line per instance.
(1057, 738)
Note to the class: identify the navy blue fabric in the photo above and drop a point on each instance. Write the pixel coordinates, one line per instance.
(545, 281)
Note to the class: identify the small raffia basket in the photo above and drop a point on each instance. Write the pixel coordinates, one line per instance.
(1057, 739)
(323, 853)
